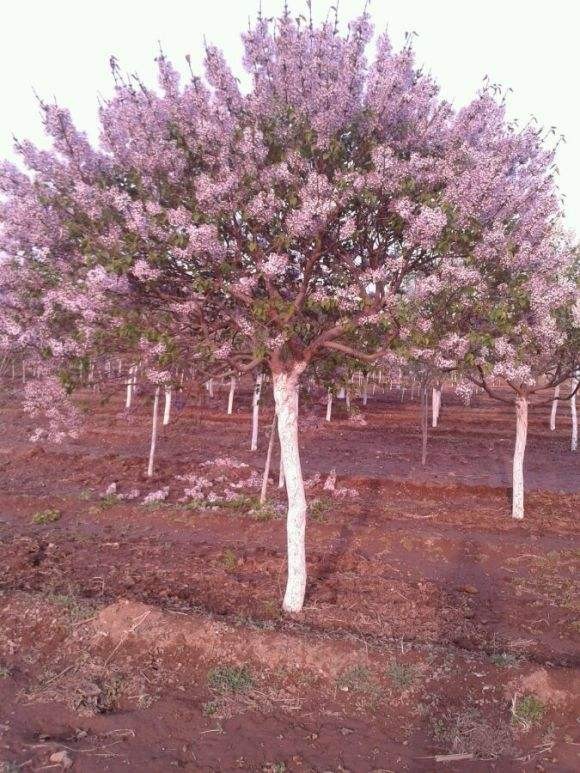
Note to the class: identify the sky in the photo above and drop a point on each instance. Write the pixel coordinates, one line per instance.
(61, 48)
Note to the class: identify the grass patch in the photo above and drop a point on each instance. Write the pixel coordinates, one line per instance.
(527, 711)
(76, 608)
(504, 659)
(469, 732)
(46, 516)
(401, 675)
(230, 679)
(358, 679)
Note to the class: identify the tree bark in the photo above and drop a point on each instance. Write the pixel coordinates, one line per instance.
(231, 395)
(256, 411)
(153, 434)
(519, 450)
(286, 400)
(554, 408)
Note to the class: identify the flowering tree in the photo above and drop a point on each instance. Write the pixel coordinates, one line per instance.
(318, 214)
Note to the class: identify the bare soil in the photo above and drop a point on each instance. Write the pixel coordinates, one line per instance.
(437, 632)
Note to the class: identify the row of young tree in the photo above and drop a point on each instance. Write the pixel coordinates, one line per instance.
(337, 214)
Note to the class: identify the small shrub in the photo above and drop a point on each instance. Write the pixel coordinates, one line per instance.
(4, 672)
(46, 516)
(230, 679)
(503, 659)
(318, 509)
(210, 708)
(229, 560)
(264, 512)
(527, 711)
(109, 500)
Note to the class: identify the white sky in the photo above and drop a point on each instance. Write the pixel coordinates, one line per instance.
(61, 49)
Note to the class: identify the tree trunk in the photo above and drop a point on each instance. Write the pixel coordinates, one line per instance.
(574, 442)
(286, 400)
(554, 408)
(256, 411)
(365, 395)
(210, 387)
(167, 406)
(268, 462)
(435, 406)
(519, 450)
(329, 406)
(153, 433)
(231, 395)
(129, 397)
(424, 424)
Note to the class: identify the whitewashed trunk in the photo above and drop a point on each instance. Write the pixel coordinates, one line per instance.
(574, 441)
(519, 450)
(129, 396)
(268, 462)
(256, 411)
(365, 396)
(435, 406)
(347, 399)
(554, 408)
(210, 387)
(286, 400)
(153, 434)
(329, 406)
(167, 406)
(231, 395)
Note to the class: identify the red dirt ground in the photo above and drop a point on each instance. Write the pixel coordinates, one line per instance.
(431, 617)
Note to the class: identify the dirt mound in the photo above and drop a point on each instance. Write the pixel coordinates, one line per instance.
(148, 626)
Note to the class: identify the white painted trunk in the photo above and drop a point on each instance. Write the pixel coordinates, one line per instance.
(574, 442)
(153, 434)
(519, 450)
(167, 406)
(286, 400)
(347, 399)
(281, 481)
(268, 462)
(435, 406)
(210, 387)
(329, 406)
(554, 408)
(256, 411)
(341, 393)
(231, 395)
(365, 396)
(129, 396)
